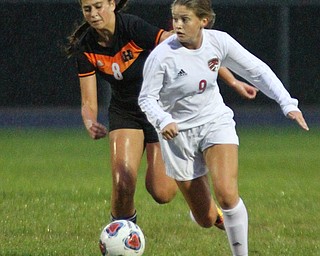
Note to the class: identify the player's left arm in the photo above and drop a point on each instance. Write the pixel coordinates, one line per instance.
(245, 90)
(260, 74)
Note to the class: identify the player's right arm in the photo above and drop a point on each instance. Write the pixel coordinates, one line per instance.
(89, 107)
(152, 84)
(170, 131)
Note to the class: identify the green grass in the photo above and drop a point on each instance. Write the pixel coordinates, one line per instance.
(55, 189)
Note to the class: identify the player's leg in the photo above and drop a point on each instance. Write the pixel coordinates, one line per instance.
(222, 161)
(184, 162)
(126, 150)
(219, 223)
(198, 196)
(160, 186)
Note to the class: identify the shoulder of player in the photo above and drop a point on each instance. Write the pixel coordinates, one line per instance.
(86, 35)
(128, 19)
(216, 37)
(132, 25)
(163, 49)
(85, 40)
(215, 33)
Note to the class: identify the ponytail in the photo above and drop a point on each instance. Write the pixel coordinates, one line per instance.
(74, 39)
(120, 4)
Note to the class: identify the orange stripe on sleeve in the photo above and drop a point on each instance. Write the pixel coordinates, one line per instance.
(87, 74)
(158, 37)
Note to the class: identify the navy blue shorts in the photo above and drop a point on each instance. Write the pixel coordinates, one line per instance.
(120, 119)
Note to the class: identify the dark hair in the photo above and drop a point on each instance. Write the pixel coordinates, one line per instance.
(202, 9)
(120, 4)
(74, 39)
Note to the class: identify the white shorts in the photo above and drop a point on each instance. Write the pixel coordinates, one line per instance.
(183, 156)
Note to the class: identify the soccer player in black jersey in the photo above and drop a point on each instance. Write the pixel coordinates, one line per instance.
(116, 45)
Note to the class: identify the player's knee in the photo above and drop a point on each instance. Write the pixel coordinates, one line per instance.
(205, 222)
(161, 196)
(228, 201)
(161, 199)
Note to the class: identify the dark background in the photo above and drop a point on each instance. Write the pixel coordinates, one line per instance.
(35, 72)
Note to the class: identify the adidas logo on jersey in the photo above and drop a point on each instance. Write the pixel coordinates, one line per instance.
(182, 73)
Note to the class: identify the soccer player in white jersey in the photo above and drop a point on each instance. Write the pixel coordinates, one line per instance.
(181, 98)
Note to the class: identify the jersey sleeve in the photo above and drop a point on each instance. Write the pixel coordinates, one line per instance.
(248, 66)
(144, 34)
(85, 67)
(148, 99)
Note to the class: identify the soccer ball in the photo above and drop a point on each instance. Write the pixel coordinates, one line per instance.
(122, 238)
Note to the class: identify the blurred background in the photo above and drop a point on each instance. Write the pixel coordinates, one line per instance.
(39, 84)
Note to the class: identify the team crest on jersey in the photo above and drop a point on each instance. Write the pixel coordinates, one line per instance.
(127, 55)
(214, 64)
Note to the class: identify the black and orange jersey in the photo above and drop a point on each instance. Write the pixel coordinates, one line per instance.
(122, 63)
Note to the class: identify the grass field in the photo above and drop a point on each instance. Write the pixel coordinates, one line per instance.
(55, 190)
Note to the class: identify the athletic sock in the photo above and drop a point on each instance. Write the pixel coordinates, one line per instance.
(132, 218)
(236, 225)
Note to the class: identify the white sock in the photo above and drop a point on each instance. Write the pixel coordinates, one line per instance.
(236, 225)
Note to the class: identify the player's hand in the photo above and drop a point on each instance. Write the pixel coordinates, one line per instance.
(246, 91)
(170, 131)
(97, 131)
(298, 117)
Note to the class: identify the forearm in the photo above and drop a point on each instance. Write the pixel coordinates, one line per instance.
(89, 100)
(89, 114)
(271, 86)
(227, 77)
(156, 116)
(261, 76)
(149, 94)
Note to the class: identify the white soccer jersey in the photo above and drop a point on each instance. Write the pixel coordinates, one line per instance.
(180, 85)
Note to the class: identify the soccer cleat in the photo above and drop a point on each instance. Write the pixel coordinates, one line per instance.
(220, 221)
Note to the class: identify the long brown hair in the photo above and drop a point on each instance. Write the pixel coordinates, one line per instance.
(73, 40)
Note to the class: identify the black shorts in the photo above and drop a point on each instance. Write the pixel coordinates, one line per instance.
(123, 119)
